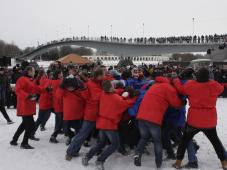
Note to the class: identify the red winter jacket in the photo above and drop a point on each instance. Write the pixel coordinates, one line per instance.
(156, 101)
(25, 87)
(94, 91)
(202, 101)
(57, 102)
(112, 107)
(45, 99)
(73, 104)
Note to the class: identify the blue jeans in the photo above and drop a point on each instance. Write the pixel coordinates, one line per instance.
(149, 130)
(191, 152)
(80, 137)
(104, 137)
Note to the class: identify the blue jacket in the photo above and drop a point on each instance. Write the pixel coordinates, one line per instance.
(135, 83)
(132, 111)
(176, 117)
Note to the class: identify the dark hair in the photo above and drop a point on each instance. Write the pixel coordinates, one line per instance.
(202, 75)
(56, 73)
(156, 73)
(126, 74)
(98, 72)
(27, 69)
(106, 86)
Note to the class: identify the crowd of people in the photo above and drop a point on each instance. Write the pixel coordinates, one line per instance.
(122, 108)
(189, 39)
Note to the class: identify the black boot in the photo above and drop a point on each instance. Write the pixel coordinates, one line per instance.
(13, 143)
(137, 160)
(42, 128)
(9, 122)
(53, 139)
(34, 138)
(26, 146)
(191, 165)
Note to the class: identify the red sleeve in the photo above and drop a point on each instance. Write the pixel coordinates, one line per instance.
(217, 88)
(180, 87)
(172, 97)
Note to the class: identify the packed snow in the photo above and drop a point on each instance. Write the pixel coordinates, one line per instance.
(48, 156)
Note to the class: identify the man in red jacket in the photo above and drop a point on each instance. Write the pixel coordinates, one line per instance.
(112, 107)
(26, 91)
(92, 97)
(45, 104)
(158, 98)
(57, 105)
(73, 105)
(202, 114)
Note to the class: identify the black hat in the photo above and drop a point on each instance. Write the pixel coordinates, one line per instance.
(71, 82)
(202, 75)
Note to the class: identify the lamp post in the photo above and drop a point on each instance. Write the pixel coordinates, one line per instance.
(193, 26)
(88, 31)
(111, 30)
(143, 29)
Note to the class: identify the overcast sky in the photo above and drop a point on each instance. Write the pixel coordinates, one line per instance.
(25, 22)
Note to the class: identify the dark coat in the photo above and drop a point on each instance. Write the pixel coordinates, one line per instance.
(4, 87)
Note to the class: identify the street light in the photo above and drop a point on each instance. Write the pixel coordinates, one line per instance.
(193, 26)
(111, 30)
(88, 31)
(143, 29)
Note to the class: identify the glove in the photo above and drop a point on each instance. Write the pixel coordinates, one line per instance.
(32, 97)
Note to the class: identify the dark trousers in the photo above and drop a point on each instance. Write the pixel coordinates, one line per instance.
(58, 124)
(105, 136)
(150, 130)
(4, 113)
(28, 126)
(71, 124)
(41, 117)
(211, 134)
(81, 137)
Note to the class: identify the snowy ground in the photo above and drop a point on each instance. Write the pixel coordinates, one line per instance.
(48, 156)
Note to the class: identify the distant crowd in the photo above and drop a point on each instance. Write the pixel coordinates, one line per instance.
(203, 39)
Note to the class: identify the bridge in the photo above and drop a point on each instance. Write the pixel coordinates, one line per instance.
(124, 49)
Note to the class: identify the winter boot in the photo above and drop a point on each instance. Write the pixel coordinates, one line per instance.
(26, 146)
(191, 165)
(224, 165)
(85, 160)
(53, 140)
(177, 164)
(42, 128)
(34, 138)
(10, 122)
(68, 157)
(13, 143)
(137, 160)
(99, 165)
